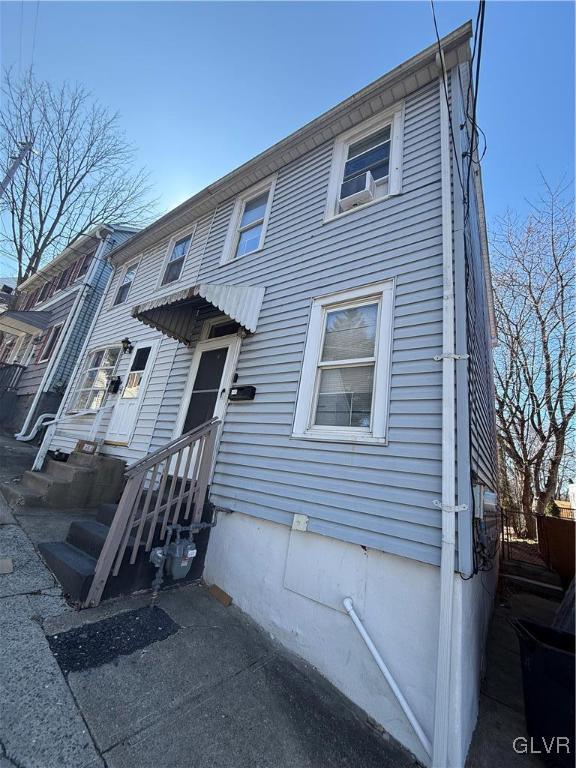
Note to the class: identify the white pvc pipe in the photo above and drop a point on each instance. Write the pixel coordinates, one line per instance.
(349, 606)
(448, 556)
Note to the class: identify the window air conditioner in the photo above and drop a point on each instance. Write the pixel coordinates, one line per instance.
(358, 190)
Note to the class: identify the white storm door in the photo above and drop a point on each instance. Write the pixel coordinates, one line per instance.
(125, 413)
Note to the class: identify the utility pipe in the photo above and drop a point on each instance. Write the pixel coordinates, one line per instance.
(349, 606)
(448, 503)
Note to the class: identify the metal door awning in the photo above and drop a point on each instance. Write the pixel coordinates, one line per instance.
(24, 321)
(175, 314)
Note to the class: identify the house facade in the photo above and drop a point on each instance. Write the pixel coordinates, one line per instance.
(329, 302)
(44, 325)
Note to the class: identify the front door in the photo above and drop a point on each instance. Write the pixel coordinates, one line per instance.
(125, 413)
(209, 381)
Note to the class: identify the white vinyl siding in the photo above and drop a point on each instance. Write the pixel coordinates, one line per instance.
(374, 494)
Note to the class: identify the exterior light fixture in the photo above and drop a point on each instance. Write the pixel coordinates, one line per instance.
(127, 345)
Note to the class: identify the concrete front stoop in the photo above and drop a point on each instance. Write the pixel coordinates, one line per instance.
(82, 481)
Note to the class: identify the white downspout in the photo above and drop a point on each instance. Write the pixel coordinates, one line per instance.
(448, 503)
(62, 341)
(49, 434)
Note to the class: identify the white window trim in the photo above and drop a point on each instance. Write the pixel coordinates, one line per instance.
(82, 372)
(180, 235)
(53, 329)
(135, 263)
(393, 117)
(231, 242)
(303, 429)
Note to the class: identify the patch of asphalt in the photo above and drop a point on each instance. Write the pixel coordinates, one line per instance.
(98, 643)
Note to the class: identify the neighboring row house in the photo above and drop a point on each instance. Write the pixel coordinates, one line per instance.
(44, 326)
(307, 343)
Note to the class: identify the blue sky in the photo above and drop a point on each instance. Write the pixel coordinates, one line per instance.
(202, 87)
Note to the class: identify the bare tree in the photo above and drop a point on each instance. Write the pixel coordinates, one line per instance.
(534, 281)
(79, 173)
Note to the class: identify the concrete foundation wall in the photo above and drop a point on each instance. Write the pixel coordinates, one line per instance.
(474, 601)
(293, 584)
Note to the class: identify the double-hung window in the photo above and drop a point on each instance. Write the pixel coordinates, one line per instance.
(177, 252)
(249, 221)
(125, 283)
(52, 336)
(94, 379)
(366, 163)
(344, 386)
(83, 266)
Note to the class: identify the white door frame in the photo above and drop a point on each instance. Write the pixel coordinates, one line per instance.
(233, 343)
(154, 345)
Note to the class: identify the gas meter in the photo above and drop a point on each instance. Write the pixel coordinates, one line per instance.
(176, 555)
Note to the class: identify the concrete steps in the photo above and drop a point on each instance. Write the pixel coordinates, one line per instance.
(82, 481)
(73, 568)
(18, 496)
(73, 561)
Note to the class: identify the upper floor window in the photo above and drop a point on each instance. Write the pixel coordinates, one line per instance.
(177, 252)
(125, 283)
(65, 277)
(344, 386)
(44, 291)
(83, 266)
(52, 336)
(29, 301)
(366, 163)
(249, 221)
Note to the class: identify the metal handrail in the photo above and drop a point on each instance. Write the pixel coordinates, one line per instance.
(168, 486)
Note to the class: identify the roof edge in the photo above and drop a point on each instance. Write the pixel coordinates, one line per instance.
(97, 232)
(221, 189)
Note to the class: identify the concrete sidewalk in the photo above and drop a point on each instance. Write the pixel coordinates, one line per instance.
(181, 682)
(40, 724)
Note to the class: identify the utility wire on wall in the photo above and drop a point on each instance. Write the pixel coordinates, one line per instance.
(482, 555)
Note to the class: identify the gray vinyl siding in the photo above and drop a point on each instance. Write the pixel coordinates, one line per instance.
(32, 377)
(482, 400)
(374, 495)
(481, 397)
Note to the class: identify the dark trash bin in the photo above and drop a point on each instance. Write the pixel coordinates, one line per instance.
(548, 678)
